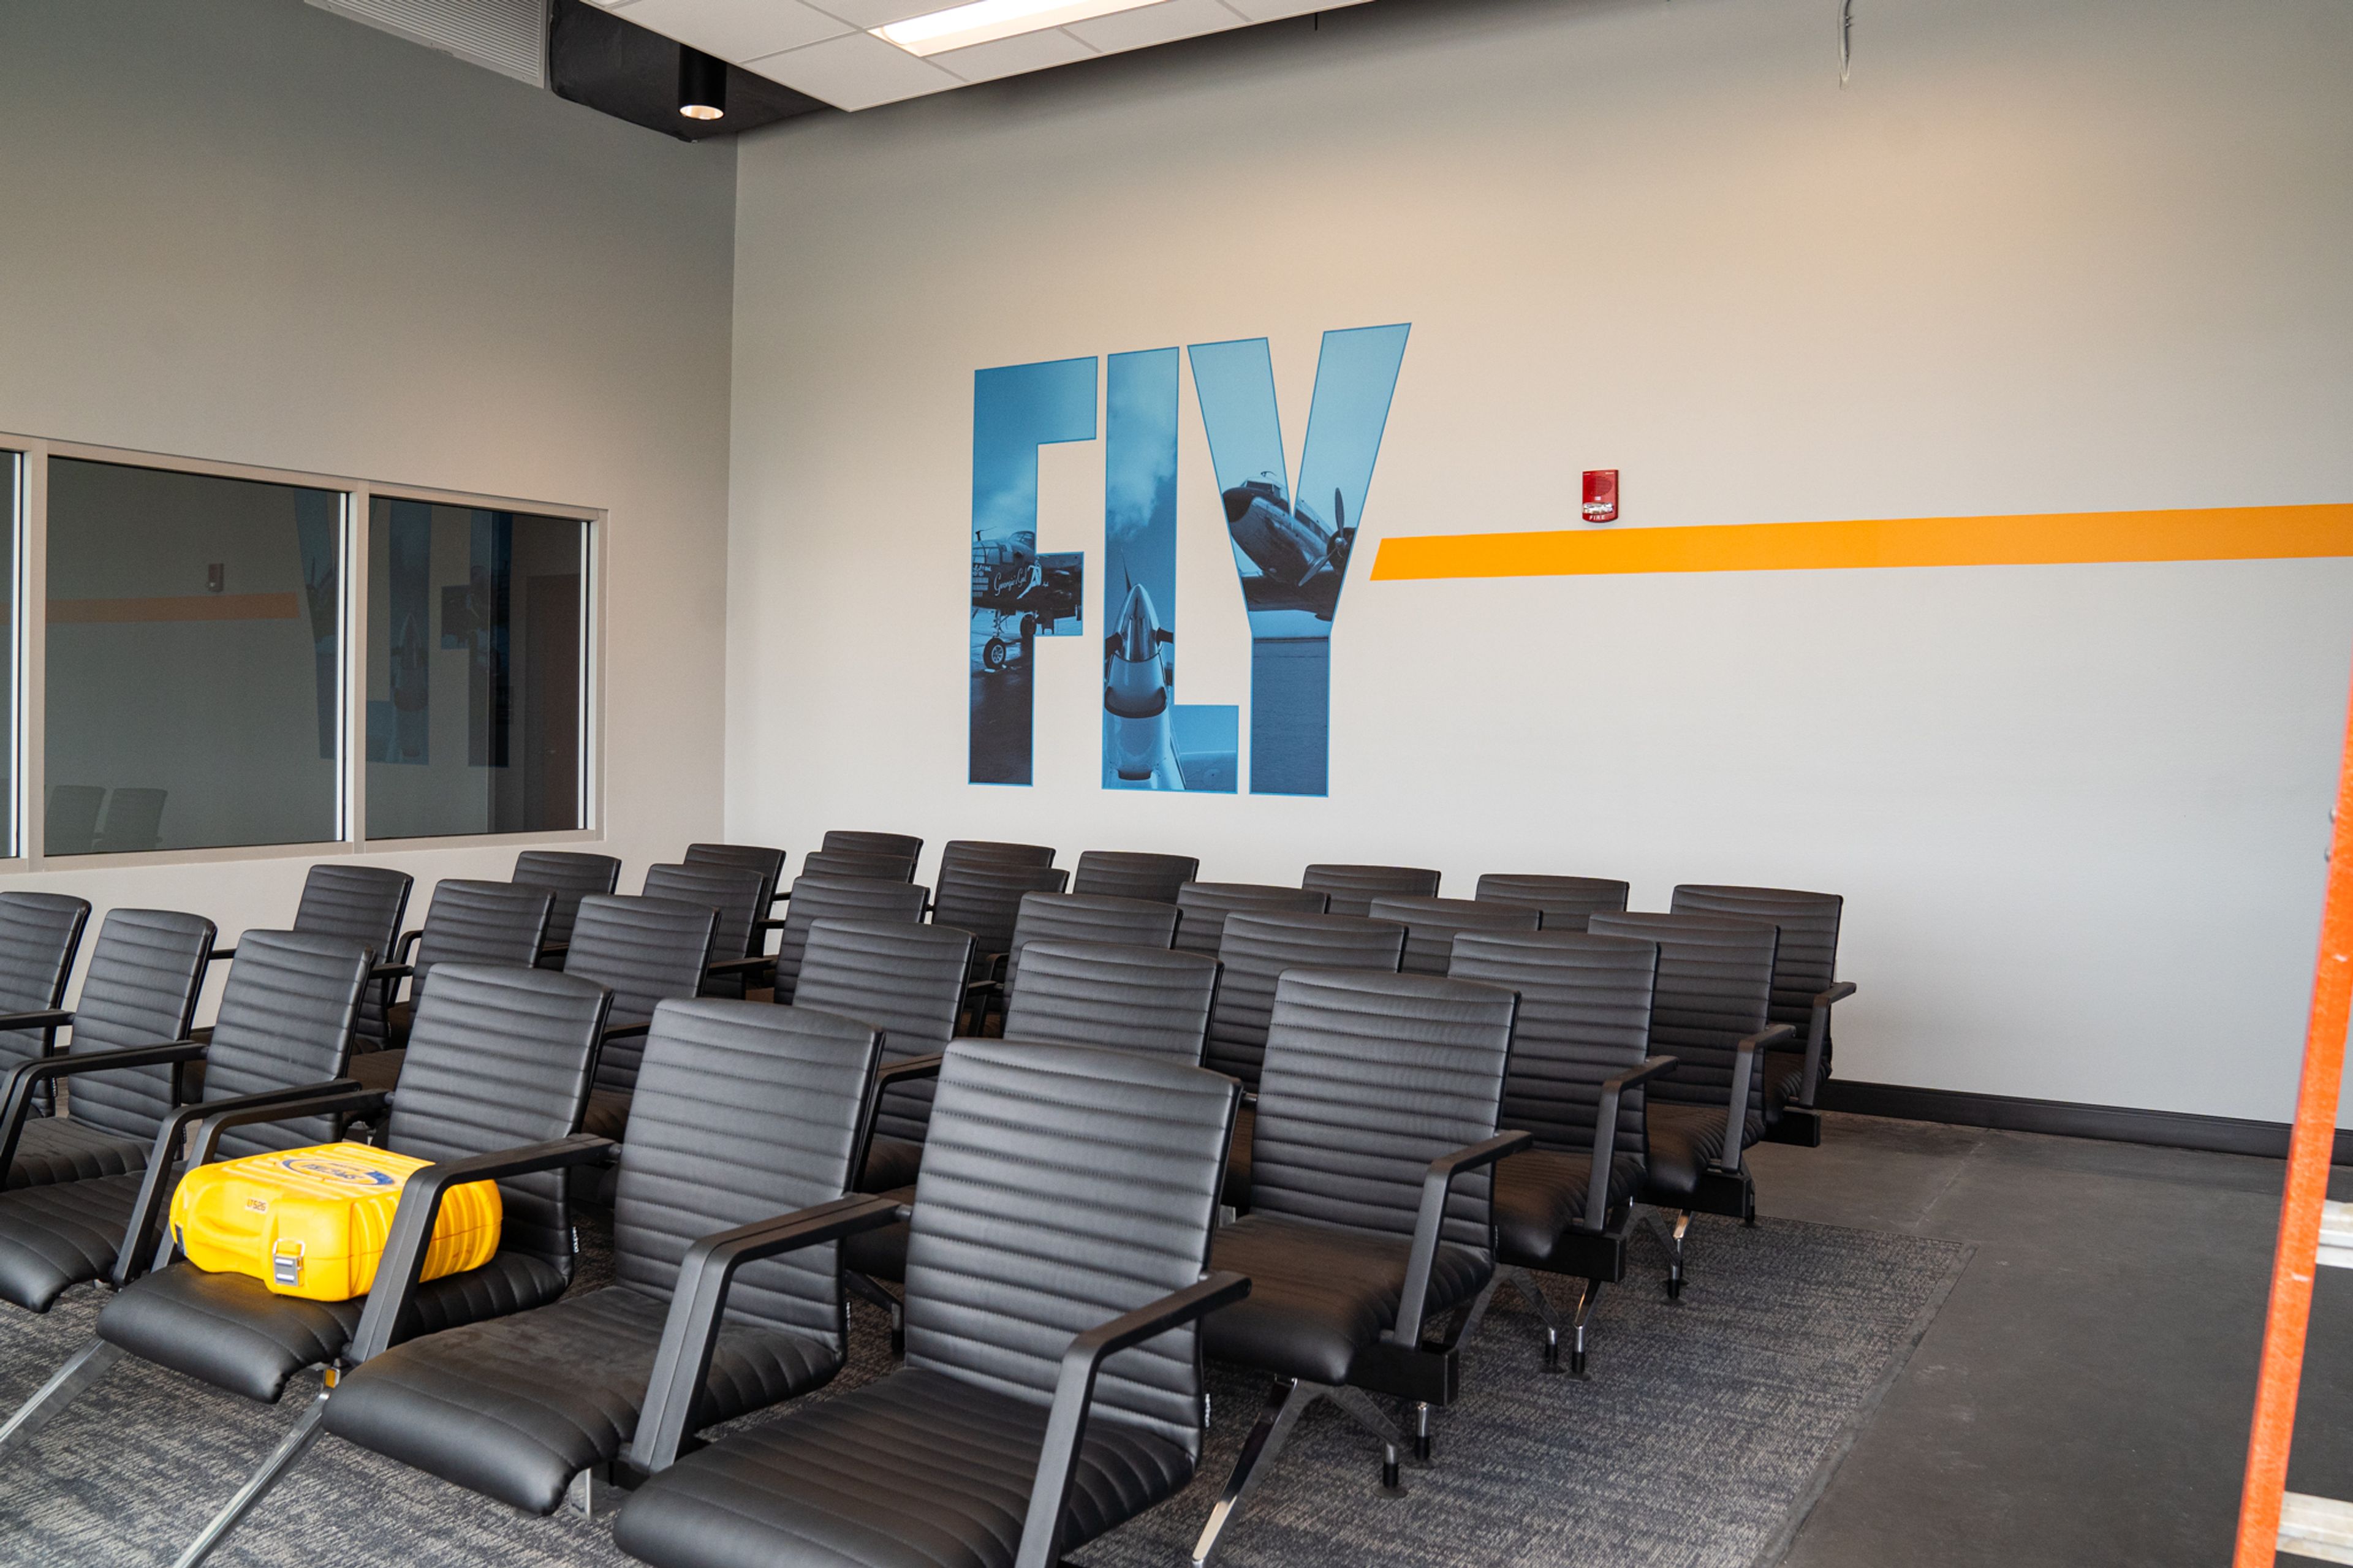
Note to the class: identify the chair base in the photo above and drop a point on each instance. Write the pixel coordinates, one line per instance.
(1800, 1127)
(1286, 1402)
(1732, 1194)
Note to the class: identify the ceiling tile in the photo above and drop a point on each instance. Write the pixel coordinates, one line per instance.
(1275, 10)
(738, 30)
(877, 13)
(1161, 24)
(856, 70)
(1011, 56)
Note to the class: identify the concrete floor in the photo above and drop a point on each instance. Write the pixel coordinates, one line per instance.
(2083, 1396)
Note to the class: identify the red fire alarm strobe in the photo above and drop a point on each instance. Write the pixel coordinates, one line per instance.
(1601, 495)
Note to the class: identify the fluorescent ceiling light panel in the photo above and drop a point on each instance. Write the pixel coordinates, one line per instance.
(986, 21)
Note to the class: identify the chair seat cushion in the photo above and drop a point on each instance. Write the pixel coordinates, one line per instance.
(1541, 1193)
(376, 1070)
(880, 1254)
(54, 1237)
(917, 1471)
(1320, 1294)
(1236, 1194)
(1684, 1140)
(59, 1149)
(229, 1330)
(891, 1163)
(516, 1406)
(607, 1115)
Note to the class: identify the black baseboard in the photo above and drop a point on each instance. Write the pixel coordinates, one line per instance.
(2122, 1124)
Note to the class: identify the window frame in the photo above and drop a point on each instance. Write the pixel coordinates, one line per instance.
(29, 733)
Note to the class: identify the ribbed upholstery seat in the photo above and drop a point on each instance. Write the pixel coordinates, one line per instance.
(1353, 888)
(739, 895)
(571, 877)
(285, 1021)
(644, 951)
(904, 845)
(742, 1112)
(769, 863)
(842, 864)
(1432, 924)
(1805, 964)
(1204, 907)
(1125, 998)
(1126, 874)
(819, 898)
(39, 935)
(1064, 1187)
(140, 989)
(365, 904)
(1566, 902)
(1087, 917)
(907, 982)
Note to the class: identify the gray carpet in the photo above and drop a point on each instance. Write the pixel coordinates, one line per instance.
(1705, 1432)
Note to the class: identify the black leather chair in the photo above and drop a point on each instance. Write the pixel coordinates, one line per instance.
(1124, 998)
(1256, 950)
(819, 898)
(1125, 874)
(907, 982)
(1805, 986)
(744, 1111)
(365, 904)
(847, 863)
(39, 935)
(1432, 924)
(644, 951)
(1369, 1225)
(145, 972)
(740, 896)
(769, 863)
(984, 897)
(989, 851)
(284, 1030)
(1710, 1011)
(70, 826)
(1353, 888)
(497, 1075)
(906, 846)
(1566, 902)
(1073, 917)
(135, 821)
(1053, 1387)
(1204, 907)
(495, 923)
(1579, 1065)
(571, 877)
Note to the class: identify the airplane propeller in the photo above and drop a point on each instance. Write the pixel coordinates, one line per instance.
(1343, 536)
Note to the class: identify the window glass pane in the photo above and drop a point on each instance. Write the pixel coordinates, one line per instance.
(12, 536)
(192, 675)
(474, 636)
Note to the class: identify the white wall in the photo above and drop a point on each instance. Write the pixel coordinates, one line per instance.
(250, 231)
(2032, 258)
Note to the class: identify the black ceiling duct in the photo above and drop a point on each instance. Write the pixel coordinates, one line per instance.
(632, 73)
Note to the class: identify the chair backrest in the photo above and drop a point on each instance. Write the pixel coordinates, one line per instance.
(134, 821)
(1040, 1212)
(644, 951)
(571, 878)
(285, 1020)
(1367, 1078)
(845, 863)
(1354, 887)
(500, 1057)
(1255, 951)
(69, 826)
(819, 898)
(365, 904)
(1087, 917)
(1432, 924)
(1584, 1017)
(1127, 998)
(140, 989)
(904, 845)
(742, 1112)
(1205, 905)
(904, 980)
(1124, 874)
(1714, 989)
(481, 922)
(1805, 961)
(990, 852)
(769, 863)
(1566, 902)
(39, 934)
(985, 899)
(736, 893)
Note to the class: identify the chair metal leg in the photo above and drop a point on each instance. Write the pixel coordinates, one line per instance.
(1532, 1294)
(860, 1286)
(1468, 1324)
(1421, 1431)
(82, 1369)
(1364, 1413)
(1286, 1402)
(296, 1443)
(1585, 1301)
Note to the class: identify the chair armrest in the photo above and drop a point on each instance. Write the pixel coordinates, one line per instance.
(626, 1032)
(47, 1018)
(781, 895)
(704, 1275)
(1744, 1073)
(155, 1185)
(1074, 1391)
(223, 954)
(908, 1071)
(740, 965)
(16, 1104)
(1605, 1138)
(1435, 1183)
(554, 949)
(1818, 1035)
(769, 925)
(355, 1100)
(392, 972)
(420, 1205)
(406, 945)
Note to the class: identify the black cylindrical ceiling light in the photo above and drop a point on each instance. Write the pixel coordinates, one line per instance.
(702, 85)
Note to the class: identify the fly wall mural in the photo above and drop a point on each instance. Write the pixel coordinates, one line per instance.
(1292, 551)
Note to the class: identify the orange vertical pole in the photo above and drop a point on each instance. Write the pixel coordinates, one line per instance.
(2309, 1148)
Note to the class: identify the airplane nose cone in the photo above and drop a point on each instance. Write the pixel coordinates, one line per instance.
(1139, 629)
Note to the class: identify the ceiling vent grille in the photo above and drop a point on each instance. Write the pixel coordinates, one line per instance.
(509, 36)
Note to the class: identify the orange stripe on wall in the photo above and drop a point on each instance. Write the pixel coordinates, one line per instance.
(178, 608)
(2047, 539)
